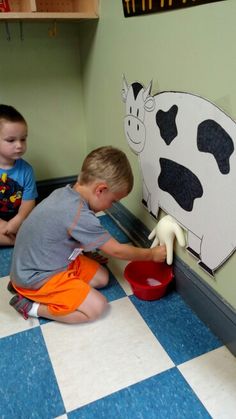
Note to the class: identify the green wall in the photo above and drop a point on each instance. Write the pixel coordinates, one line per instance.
(40, 76)
(189, 50)
(69, 87)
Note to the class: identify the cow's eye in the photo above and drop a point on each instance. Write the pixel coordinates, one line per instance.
(130, 110)
(129, 123)
(137, 112)
(138, 127)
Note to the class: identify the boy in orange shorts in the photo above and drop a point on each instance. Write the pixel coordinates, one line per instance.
(51, 276)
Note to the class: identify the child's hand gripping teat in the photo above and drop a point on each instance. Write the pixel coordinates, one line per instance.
(165, 232)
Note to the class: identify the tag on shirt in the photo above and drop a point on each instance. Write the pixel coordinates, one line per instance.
(76, 252)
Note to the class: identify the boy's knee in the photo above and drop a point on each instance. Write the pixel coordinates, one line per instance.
(99, 308)
(92, 314)
(104, 277)
(101, 278)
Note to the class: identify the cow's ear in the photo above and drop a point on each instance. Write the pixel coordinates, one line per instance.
(149, 104)
(125, 89)
(147, 91)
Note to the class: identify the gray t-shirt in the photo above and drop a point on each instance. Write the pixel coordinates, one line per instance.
(56, 227)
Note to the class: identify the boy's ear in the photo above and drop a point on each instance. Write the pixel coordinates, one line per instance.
(101, 187)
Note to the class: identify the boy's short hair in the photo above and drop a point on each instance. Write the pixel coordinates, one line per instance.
(8, 113)
(108, 164)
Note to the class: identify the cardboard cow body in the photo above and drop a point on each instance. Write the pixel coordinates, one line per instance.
(186, 151)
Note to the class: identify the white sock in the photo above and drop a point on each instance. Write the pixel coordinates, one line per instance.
(34, 310)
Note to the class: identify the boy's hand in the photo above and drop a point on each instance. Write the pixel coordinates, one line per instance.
(159, 253)
(13, 226)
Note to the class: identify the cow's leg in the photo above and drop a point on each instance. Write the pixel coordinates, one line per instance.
(194, 245)
(154, 205)
(215, 251)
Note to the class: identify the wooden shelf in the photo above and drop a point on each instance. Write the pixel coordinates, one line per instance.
(46, 16)
(51, 9)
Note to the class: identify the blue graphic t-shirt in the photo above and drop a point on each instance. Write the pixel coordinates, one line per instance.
(16, 184)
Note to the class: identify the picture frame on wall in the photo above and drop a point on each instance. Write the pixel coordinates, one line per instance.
(143, 7)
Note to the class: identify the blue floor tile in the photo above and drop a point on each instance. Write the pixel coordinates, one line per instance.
(182, 334)
(5, 260)
(28, 388)
(164, 396)
(113, 229)
(42, 320)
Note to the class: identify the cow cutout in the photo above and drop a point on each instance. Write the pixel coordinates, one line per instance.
(186, 150)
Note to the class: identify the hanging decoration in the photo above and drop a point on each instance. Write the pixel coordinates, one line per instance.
(143, 7)
(4, 6)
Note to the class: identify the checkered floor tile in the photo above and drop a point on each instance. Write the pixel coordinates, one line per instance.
(140, 360)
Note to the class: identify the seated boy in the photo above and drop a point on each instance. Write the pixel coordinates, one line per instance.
(50, 275)
(17, 183)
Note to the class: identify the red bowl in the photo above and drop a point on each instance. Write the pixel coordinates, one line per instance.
(148, 280)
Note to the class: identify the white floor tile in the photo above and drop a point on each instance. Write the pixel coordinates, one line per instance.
(213, 378)
(10, 321)
(93, 360)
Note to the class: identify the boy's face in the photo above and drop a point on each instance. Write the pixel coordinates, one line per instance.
(104, 198)
(12, 141)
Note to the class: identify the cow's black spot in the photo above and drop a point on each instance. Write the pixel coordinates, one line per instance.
(182, 184)
(166, 124)
(212, 138)
(136, 89)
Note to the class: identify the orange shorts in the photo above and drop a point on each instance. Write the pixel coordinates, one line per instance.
(65, 291)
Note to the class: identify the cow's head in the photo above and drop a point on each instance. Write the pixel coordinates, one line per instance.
(138, 101)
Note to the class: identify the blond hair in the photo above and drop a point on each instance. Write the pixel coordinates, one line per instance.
(107, 164)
